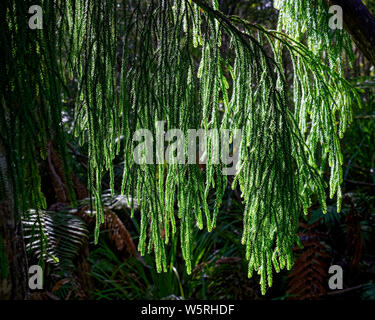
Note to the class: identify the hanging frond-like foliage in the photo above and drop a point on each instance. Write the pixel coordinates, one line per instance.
(315, 112)
(163, 65)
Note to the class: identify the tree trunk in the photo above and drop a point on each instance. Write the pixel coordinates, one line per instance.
(13, 260)
(359, 22)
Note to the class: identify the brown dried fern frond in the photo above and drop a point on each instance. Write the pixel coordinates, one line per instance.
(309, 275)
(117, 232)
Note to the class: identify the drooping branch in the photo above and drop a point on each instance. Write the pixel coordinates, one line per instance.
(359, 22)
